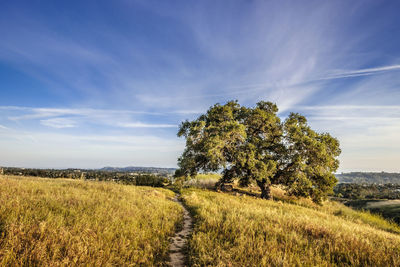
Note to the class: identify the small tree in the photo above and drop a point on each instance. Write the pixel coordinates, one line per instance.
(253, 145)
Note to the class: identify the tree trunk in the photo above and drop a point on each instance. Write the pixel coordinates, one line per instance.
(265, 189)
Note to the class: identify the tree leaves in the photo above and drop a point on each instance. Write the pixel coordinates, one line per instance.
(253, 145)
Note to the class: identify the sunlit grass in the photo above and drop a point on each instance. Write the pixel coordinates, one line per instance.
(204, 181)
(67, 222)
(246, 231)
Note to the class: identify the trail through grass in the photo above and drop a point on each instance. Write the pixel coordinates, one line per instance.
(178, 247)
(68, 222)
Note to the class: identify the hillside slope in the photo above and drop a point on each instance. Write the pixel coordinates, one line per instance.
(53, 222)
(246, 231)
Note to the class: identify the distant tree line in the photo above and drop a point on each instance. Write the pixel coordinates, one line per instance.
(367, 191)
(145, 179)
(369, 177)
(154, 170)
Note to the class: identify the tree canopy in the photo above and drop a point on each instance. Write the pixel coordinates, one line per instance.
(252, 145)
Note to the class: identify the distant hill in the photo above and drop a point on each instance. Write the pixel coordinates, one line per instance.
(369, 177)
(139, 169)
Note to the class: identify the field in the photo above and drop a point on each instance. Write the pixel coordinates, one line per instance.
(389, 209)
(245, 231)
(69, 222)
(53, 222)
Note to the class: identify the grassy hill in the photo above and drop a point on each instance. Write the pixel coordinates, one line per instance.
(246, 231)
(70, 222)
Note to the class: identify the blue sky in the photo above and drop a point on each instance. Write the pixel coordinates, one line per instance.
(97, 83)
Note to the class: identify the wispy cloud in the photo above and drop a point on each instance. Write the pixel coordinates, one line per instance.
(59, 123)
(368, 133)
(282, 87)
(146, 80)
(86, 151)
(360, 72)
(145, 125)
(70, 118)
(36, 113)
(349, 107)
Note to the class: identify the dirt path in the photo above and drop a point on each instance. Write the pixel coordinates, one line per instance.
(179, 241)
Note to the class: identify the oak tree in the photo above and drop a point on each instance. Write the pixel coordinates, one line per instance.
(252, 145)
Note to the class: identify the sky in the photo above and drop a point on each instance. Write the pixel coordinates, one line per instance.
(87, 84)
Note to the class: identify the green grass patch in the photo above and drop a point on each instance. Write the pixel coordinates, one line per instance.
(382, 208)
(391, 212)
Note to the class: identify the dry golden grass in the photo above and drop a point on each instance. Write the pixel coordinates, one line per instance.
(204, 181)
(246, 231)
(67, 222)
